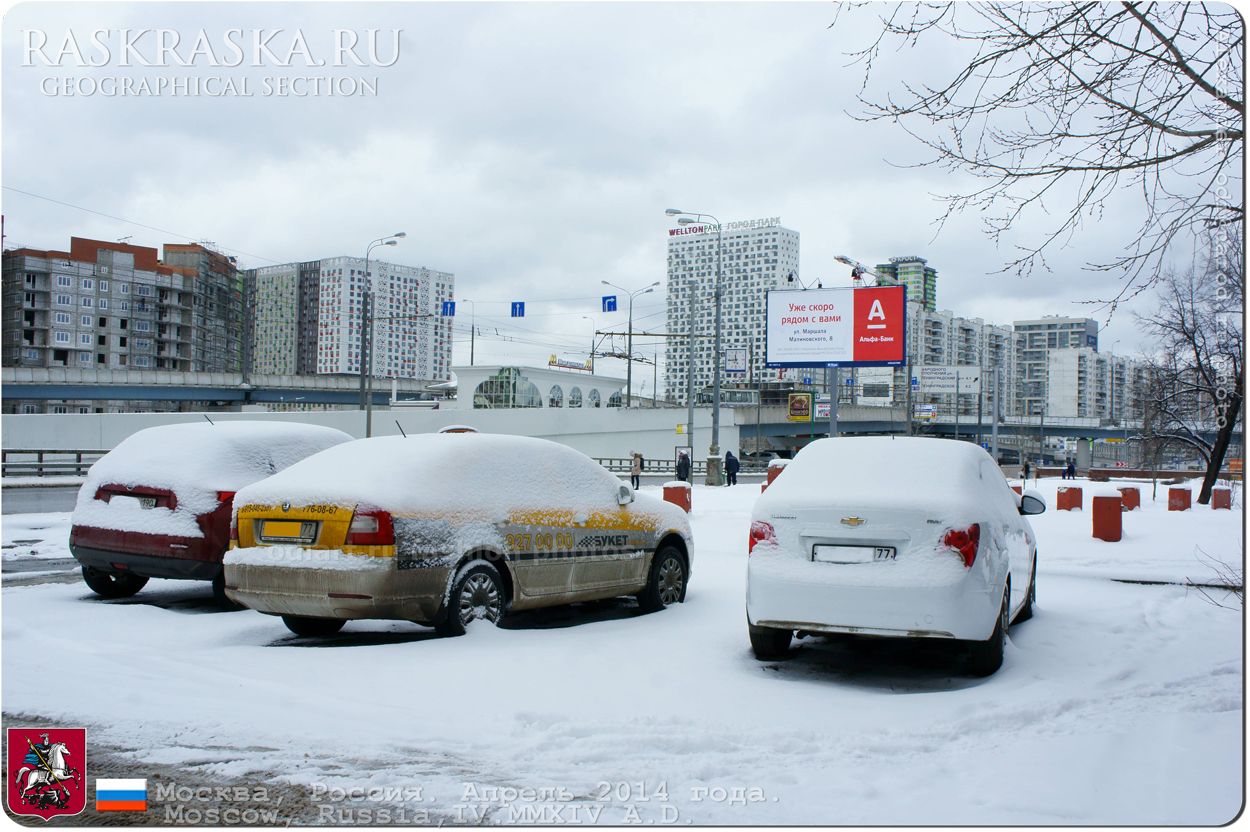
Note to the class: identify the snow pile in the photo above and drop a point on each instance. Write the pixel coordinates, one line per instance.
(194, 461)
(469, 475)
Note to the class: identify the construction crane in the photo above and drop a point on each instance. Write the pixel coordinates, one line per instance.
(859, 271)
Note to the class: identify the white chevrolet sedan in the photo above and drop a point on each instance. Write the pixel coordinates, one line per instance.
(897, 537)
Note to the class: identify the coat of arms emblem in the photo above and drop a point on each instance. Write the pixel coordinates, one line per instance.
(44, 780)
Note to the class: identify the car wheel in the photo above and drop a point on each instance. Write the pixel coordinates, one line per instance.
(303, 626)
(987, 656)
(667, 582)
(476, 595)
(112, 584)
(1026, 612)
(769, 644)
(219, 594)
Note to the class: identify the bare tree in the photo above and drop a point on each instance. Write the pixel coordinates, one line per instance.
(1063, 106)
(1195, 398)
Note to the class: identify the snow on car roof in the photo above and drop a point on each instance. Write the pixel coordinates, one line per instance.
(474, 472)
(194, 461)
(880, 471)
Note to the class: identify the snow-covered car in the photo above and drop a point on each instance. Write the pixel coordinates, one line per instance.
(158, 505)
(902, 537)
(445, 529)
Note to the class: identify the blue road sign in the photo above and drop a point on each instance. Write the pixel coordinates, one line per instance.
(807, 381)
(518, 309)
(449, 309)
(609, 303)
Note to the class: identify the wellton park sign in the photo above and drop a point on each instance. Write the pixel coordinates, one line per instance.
(709, 228)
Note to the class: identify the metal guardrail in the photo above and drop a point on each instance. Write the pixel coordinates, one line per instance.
(47, 462)
(652, 467)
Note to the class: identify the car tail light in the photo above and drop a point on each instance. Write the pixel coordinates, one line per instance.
(760, 531)
(370, 528)
(964, 541)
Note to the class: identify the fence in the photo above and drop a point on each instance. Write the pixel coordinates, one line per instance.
(47, 462)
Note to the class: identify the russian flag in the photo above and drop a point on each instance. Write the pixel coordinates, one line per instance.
(121, 795)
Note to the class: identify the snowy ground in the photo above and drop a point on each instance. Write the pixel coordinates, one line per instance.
(1119, 703)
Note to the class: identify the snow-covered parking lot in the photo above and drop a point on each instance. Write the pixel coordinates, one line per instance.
(1120, 702)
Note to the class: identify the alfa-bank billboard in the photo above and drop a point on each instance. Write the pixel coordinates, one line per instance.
(836, 327)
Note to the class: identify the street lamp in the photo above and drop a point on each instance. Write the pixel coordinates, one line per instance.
(713, 465)
(472, 326)
(592, 341)
(366, 334)
(629, 346)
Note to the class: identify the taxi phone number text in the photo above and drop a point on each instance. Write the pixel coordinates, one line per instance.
(525, 542)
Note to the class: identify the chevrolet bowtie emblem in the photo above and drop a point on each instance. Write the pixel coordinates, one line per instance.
(852, 521)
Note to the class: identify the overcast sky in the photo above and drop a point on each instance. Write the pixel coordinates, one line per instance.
(529, 148)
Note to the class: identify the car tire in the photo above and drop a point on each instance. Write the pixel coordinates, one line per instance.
(1030, 598)
(219, 595)
(768, 643)
(112, 584)
(666, 584)
(477, 594)
(987, 656)
(304, 626)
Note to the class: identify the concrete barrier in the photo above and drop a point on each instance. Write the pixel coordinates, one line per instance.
(1130, 497)
(678, 493)
(1108, 523)
(1221, 498)
(1068, 498)
(1178, 499)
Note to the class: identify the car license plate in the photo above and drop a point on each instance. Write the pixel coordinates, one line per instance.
(132, 502)
(852, 554)
(286, 530)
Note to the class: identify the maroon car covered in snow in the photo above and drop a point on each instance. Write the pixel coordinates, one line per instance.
(158, 505)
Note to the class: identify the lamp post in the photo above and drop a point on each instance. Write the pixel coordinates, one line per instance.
(713, 463)
(629, 345)
(593, 329)
(366, 334)
(472, 326)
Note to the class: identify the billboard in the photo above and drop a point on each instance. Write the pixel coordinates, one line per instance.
(800, 409)
(836, 327)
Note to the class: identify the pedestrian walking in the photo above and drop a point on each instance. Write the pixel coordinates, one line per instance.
(635, 471)
(731, 468)
(683, 466)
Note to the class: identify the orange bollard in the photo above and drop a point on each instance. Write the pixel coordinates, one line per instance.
(1107, 522)
(1178, 499)
(678, 494)
(1221, 498)
(1068, 498)
(1130, 497)
(774, 471)
(1017, 489)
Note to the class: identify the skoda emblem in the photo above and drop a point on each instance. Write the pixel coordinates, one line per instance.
(852, 521)
(287, 507)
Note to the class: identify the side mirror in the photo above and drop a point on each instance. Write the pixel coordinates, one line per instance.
(1032, 502)
(625, 495)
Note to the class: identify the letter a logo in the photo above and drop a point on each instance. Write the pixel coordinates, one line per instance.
(877, 311)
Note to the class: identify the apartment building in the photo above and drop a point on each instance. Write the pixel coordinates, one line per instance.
(1039, 338)
(756, 256)
(1084, 383)
(917, 275)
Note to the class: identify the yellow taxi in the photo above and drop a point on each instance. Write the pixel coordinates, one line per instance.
(447, 529)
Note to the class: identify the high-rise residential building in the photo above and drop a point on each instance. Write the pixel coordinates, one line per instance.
(304, 319)
(282, 322)
(216, 305)
(1036, 340)
(119, 306)
(1084, 383)
(942, 338)
(756, 256)
(917, 275)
